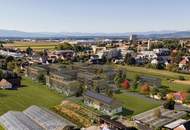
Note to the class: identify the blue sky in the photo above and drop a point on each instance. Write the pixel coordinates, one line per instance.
(94, 15)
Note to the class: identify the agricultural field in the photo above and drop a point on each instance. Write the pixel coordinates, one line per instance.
(135, 104)
(37, 46)
(32, 93)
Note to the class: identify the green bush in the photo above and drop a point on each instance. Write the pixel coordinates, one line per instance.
(181, 78)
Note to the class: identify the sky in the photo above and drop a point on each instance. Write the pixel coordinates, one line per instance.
(109, 16)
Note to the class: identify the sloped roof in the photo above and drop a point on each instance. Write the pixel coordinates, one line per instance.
(183, 62)
(18, 121)
(46, 118)
(180, 95)
(5, 84)
(167, 116)
(34, 118)
(102, 98)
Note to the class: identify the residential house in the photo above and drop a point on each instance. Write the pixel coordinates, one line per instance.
(64, 54)
(102, 103)
(180, 97)
(183, 64)
(4, 84)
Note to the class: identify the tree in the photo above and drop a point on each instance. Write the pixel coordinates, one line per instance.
(136, 82)
(170, 104)
(109, 92)
(145, 88)
(181, 77)
(129, 59)
(64, 46)
(170, 96)
(9, 59)
(41, 78)
(154, 91)
(11, 66)
(29, 51)
(125, 84)
(99, 71)
(120, 77)
(97, 89)
(157, 113)
(163, 92)
(187, 99)
(1, 74)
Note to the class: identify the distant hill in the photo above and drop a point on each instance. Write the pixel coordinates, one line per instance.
(151, 34)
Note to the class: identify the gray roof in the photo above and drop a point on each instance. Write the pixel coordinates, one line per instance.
(166, 117)
(18, 121)
(175, 124)
(34, 118)
(102, 98)
(46, 118)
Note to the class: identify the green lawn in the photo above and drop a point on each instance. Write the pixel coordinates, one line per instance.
(165, 76)
(135, 104)
(1, 128)
(155, 72)
(32, 93)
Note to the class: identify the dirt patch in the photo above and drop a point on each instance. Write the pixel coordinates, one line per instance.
(187, 82)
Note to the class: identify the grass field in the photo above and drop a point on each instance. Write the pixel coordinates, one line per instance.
(37, 46)
(31, 94)
(165, 76)
(1, 128)
(135, 104)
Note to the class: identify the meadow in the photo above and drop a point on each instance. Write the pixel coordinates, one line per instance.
(165, 76)
(32, 93)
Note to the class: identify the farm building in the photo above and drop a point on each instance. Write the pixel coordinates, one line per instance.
(34, 118)
(154, 82)
(103, 103)
(18, 121)
(157, 118)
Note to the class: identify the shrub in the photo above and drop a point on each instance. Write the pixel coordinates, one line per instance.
(169, 105)
(125, 84)
(41, 78)
(145, 88)
(181, 78)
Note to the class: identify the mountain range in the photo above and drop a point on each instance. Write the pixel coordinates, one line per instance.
(150, 34)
